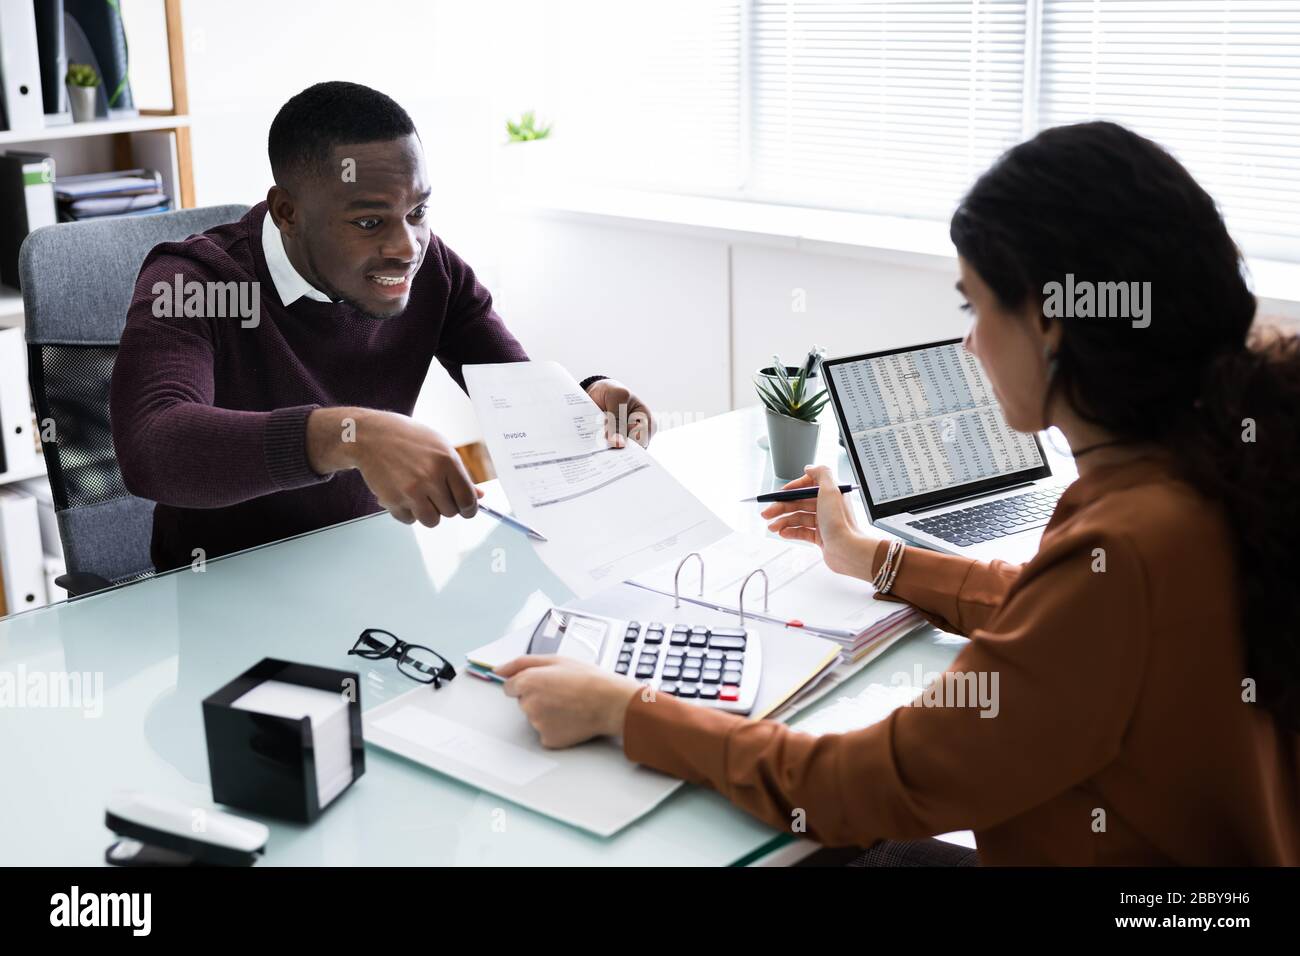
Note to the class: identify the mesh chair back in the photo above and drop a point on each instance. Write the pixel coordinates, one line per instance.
(77, 282)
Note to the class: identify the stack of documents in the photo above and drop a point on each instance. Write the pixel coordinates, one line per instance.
(801, 592)
(94, 195)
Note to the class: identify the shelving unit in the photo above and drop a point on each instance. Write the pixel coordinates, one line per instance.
(158, 139)
(102, 127)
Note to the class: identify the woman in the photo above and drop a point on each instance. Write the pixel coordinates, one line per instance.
(1149, 655)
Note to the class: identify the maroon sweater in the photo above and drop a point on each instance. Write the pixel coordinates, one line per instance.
(209, 417)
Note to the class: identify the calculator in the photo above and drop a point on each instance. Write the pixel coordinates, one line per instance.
(717, 667)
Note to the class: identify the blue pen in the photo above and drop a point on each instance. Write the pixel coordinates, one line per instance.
(513, 522)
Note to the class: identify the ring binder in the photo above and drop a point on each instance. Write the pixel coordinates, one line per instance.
(744, 584)
(677, 600)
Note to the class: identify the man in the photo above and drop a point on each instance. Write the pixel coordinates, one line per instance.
(248, 425)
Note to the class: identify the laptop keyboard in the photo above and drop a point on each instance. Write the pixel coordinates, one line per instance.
(991, 519)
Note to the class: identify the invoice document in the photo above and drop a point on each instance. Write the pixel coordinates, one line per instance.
(607, 513)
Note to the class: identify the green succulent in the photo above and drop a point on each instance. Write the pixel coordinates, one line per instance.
(82, 74)
(526, 129)
(789, 396)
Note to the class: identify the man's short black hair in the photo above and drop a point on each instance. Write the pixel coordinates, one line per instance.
(325, 115)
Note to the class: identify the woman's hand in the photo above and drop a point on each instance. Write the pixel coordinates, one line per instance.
(827, 521)
(568, 701)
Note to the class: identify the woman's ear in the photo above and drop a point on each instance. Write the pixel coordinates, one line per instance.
(1049, 329)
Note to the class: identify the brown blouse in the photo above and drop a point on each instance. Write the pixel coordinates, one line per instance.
(1121, 735)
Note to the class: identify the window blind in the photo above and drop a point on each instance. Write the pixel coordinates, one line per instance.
(1217, 82)
(882, 105)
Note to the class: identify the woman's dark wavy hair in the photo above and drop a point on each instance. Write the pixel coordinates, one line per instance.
(1100, 202)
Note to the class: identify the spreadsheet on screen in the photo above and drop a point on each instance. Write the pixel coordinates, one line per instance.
(926, 420)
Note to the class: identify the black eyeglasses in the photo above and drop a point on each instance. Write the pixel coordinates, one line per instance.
(414, 660)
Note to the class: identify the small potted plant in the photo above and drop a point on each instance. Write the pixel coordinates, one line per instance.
(83, 88)
(525, 129)
(792, 407)
(526, 159)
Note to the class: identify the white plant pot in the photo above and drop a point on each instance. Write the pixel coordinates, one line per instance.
(793, 444)
(523, 167)
(82, 100)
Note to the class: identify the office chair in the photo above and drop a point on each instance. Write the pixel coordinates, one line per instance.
(77, 282)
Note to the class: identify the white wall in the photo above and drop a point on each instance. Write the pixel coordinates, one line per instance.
(786, 301)
(683, 319)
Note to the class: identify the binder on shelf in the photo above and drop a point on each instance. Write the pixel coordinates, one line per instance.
(26, 203)
(53, 61)
(94, 34)
(39, 489)
(18, 446)
(20, 67)
(54, 569)
(20, 551)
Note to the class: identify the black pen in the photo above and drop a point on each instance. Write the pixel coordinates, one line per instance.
(797, 494)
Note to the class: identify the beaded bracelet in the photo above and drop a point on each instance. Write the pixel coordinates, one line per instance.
(898, 563)
(886, 566)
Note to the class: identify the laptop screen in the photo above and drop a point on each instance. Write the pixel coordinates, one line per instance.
(923, 427)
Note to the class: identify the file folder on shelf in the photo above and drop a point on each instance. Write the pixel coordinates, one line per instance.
(20, 552)
(19, 456)
(20, 67)
(27, 201)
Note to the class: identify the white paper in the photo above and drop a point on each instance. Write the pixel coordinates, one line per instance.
(592, 786)
(331, 728)
(870, 706)
(607, 513)
(294, 701)
(515, 765)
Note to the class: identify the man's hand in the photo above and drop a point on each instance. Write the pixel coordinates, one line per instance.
(414, 472)
(626, 416)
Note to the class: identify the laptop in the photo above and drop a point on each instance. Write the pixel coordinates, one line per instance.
(936, 462)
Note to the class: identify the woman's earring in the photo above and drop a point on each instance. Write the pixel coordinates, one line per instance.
(1050, 358)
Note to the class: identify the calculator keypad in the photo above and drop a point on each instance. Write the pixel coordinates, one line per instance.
(693, 662)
